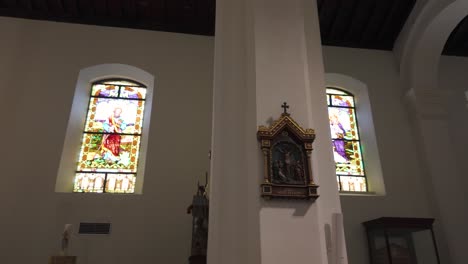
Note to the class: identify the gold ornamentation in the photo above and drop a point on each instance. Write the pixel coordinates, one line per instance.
(286, 129)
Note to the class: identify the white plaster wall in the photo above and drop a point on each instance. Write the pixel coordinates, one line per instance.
(406, 195)
(39, 66)
(452, 77)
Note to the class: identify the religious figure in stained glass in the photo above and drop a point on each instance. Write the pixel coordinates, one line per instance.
(111, 140)
(110, 146)
(346, 141)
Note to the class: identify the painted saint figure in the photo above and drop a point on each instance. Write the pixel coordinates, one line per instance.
(287, 166)
(339, 132)
(110, 146)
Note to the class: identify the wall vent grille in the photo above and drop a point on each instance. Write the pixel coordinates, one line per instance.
(95, 228)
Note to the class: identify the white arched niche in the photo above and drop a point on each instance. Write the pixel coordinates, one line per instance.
(370, 151)
(420, 63)
(73, 136)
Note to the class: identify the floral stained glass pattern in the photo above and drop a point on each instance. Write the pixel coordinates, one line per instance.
(345, 139)
(110, 145)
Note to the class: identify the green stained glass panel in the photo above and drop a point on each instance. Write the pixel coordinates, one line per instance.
(120, 183)
(343, 123)
(109, 153)
(348, 158)
(109, 115)
(89, 182)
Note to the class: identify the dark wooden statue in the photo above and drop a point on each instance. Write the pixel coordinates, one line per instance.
(199, 211)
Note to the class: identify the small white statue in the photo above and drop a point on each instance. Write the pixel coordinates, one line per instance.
(66, 239)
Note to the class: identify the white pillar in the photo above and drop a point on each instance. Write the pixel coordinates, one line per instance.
(268, 52)
(442, 178)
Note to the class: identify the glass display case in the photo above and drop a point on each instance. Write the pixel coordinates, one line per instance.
(395, 240)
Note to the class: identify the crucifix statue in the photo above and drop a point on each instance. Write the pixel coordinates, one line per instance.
(285, 107)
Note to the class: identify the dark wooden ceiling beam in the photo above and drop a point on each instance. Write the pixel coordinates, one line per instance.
(319, 5)
(388, 23)
(327, 16)
(10, 3)
(128, 9)
(357, 23)
(353, 18)
(71, 8)
(181, 15)
(143, 9)
(100, 8)
(26, 4)
(205, 16)
(377, 18)
(349, 23)
(346, 11)
(115, 8)
(55, 7)
(85, 8)
(400, 17)
(39, 5)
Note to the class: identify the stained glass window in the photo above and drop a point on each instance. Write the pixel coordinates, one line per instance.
(110, 146)
(346, 142)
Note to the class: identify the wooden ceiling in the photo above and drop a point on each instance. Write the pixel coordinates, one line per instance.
(367, 24)
(184, 16)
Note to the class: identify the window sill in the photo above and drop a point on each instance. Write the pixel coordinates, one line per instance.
(347, 193)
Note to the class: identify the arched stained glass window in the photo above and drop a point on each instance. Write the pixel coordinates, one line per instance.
(111, 139)
(346, 142)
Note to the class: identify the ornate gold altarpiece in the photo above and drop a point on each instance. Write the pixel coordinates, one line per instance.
(287, 150)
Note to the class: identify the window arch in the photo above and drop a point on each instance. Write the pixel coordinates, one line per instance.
(367, 136)
(72, 153)
(346, 141)
(111, 138)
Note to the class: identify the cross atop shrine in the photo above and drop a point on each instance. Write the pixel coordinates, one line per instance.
(285, 107)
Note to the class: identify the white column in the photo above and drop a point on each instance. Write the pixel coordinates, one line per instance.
(268, 52)
(443, 181)
(234, 194)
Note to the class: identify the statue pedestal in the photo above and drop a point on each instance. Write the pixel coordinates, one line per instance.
(62, 260)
